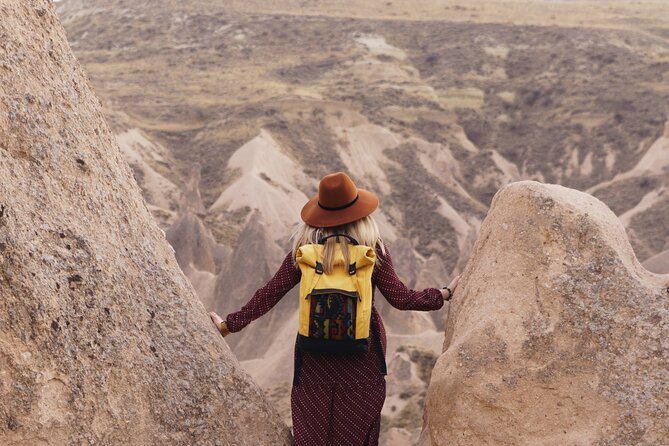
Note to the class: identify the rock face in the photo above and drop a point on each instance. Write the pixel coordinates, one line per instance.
(102, 339)
(556, 335)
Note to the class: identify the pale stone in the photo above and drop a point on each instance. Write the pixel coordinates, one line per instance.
(102, 339)
(556, 333)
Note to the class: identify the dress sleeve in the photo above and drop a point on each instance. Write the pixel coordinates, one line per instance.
(397, 293)
(266, 297)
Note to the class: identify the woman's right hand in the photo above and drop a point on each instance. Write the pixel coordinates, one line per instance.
(452, 286)
(454, 282)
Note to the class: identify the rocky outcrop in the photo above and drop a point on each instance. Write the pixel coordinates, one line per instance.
(556, 334)
(191, 199)
(409, 370)
(152, 166)
(198, 253)
(102, 339)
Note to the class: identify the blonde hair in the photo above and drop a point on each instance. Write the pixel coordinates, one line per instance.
(364, 230)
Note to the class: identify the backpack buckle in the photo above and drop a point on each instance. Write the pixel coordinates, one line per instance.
(319, 268)
(351, 269)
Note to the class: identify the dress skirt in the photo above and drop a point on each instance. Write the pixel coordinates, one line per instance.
(337, 399)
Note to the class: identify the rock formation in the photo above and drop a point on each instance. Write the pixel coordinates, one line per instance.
(556, 335)
(102, 339)
(195, 248)
(409, 370)
(152, 166)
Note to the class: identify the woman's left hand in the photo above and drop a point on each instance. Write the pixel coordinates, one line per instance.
(220, 323)
(452, 286)
(215, 318)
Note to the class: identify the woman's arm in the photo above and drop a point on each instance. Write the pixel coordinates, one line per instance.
(266, 297)
(397, 293)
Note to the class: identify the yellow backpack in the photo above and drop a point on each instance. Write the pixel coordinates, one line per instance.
(336, 308)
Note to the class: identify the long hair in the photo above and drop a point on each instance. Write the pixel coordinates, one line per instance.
(364, 230)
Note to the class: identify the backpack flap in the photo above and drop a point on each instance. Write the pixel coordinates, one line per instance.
(345, 280)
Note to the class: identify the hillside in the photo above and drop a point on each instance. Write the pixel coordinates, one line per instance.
(432, 108)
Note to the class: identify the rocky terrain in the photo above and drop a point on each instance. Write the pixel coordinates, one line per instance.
(102, 338)
(556, 335)
(230, 113)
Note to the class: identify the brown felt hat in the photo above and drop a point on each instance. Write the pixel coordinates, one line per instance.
(338, 202)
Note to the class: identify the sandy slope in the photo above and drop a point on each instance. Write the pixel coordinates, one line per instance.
(268, 180)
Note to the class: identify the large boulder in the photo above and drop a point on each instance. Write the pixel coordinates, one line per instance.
(556, 334)
(102, 339)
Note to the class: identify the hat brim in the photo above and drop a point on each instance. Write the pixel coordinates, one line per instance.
(316, 216)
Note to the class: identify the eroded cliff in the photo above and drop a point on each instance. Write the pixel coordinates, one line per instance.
(556, 334)
(102, 339)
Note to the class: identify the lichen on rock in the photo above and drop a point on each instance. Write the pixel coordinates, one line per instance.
(102, 339)
(556, 335)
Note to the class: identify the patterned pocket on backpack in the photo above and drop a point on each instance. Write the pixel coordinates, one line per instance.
(332, 314)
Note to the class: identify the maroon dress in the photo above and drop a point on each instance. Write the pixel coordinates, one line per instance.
(336, 399)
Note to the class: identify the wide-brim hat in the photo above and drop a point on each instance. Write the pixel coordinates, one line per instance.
(338, 202)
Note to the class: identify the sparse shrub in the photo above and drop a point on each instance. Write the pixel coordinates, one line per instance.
(532, 97)
(432, 59)
(647, 183)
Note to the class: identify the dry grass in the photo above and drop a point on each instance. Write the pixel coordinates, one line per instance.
(620, 14)
(203, 78)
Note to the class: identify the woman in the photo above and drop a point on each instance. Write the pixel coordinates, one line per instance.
(336, 399)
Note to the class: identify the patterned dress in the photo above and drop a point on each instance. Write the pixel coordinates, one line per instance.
(337, 399)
